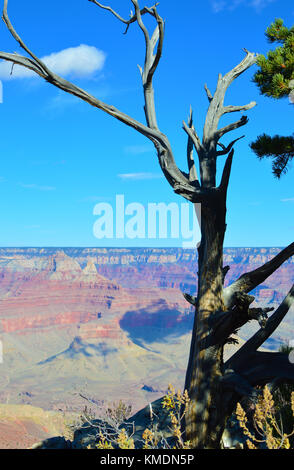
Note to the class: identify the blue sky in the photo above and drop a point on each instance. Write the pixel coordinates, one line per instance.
(60, 157)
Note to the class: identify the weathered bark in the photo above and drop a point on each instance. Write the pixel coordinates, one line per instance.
(203, 427)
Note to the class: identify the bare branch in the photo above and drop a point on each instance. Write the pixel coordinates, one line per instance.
(234, 109)
(190, 298)
(140, 23)
(193, 136)
(252, 279)
(190, 159)
(208, 93)
(175, 177)
(154, 38)
(26, 62)
(160, 34)
(225, 149)
(225, 271)
(69, 87)
(224, 324)
(151, 59)
(216, 107)
(37, 61)
(261, 368)
(231, 127)
(235, 382)
(260, 315)
(189, 192)
(131, 20)
(245, 64)
(226, 172)
(172, 173)
(264, 333)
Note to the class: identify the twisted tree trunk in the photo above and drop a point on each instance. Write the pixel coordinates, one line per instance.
(203, 424)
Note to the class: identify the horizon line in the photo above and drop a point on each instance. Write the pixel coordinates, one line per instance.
(130, 247)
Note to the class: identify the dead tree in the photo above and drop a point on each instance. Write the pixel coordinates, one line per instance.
(214, 386)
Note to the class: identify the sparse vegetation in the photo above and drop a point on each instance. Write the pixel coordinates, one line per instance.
(177, 404)
(267, 429)
(282, 398)
(111, 428)
(104, 421)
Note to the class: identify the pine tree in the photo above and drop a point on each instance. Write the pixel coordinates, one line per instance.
(275, 79)
(279, 148)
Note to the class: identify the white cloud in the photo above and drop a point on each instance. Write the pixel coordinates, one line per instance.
(139, 176)
(80, 61)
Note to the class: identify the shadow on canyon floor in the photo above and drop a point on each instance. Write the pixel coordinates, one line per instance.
(144, 327)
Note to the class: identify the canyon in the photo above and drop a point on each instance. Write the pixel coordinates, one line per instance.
(109, 323)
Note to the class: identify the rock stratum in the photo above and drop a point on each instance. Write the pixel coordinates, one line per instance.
(108, 324)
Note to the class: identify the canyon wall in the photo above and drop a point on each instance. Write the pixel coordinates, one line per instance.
(112, 322)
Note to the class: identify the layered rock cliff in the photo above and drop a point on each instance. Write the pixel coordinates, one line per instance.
(114, 319)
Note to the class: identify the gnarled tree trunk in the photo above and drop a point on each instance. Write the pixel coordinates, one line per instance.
(203, 424)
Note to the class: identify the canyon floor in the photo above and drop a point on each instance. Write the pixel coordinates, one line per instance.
(106, 324)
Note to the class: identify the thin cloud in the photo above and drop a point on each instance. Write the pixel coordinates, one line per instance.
(139, 176)
(261, 4)
(230, 5)
(81, 61)
(137, 149)
(32, 227)
(218, 5)
(65, 100)
(289, 199)
(37, 187)
(62, 100)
